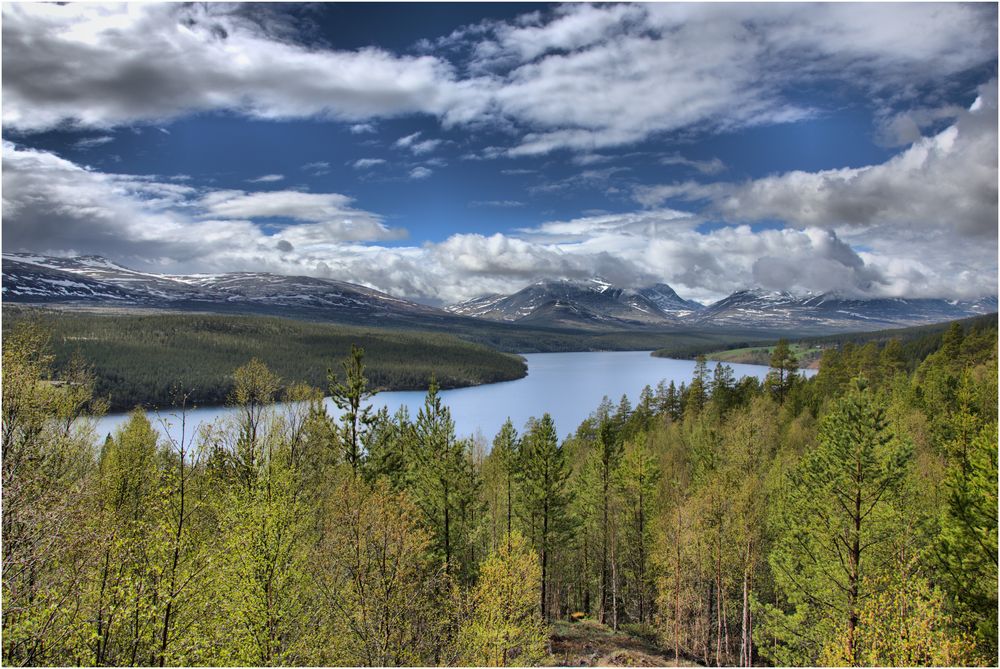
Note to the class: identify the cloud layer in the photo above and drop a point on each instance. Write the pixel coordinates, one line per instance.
(579, 77)
(53, 205)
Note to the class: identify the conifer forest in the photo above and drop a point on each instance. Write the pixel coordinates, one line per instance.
(846, 519)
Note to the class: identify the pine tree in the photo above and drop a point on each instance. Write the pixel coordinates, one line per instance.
(784, 366)
(506, 448)
(438, 464)
(967, 543)
(350, 396)
(544, 476)
(839, 515)
(697, 392)
(636, 480)
(609, 450)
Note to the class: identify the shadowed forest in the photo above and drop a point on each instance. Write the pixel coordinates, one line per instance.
(848, 519)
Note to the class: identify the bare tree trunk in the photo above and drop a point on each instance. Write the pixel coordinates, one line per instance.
(677, 592)
(586, 573)
(746, 641)
(718, 598)
(614, 586)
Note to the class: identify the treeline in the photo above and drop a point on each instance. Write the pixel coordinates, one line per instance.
(846, 519)
(918, 342)
(145, 360)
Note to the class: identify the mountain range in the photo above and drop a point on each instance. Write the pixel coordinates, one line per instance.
(594, 304)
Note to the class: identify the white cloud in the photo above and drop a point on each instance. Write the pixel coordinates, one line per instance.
(711, 166)
(579, 76)
(53, 205)
(500, 204)
(947, 181)
(88, 143)
(362, 128)
(420, 173)
(367, 163)
(318, 168)
(107, 65)
(339, 220)
(407, 141)
(417, 147)
(267, 178)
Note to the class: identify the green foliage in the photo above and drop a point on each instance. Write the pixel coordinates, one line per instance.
(149, 359)
(838, 517)
(782, 377)
(903, 624)
(505, 627)
(349, 395)
(544, 474)
(852, 523)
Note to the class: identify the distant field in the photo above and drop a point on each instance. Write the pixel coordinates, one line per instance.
(761, 355)
(918, 340)
(142, 359)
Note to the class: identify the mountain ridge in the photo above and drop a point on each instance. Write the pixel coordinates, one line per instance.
(594, 304)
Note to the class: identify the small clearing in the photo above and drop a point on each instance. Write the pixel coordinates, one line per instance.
(590, 644)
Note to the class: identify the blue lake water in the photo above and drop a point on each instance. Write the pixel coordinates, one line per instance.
(569, 386)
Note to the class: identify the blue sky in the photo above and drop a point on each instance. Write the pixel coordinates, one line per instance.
(441, 151)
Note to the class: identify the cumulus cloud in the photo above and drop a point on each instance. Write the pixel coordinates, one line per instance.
(56, 206)
(944, 182)
(52, 204)
(107, 65)
(337, 219)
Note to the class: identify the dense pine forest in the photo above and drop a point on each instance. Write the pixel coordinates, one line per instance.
(143, 359)
(848, 519)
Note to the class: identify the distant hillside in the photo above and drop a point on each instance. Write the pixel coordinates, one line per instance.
(143, 359)
(920, 340)
(593, 306)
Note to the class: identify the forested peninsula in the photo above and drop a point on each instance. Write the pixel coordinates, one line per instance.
(142, 359)
(847, 519)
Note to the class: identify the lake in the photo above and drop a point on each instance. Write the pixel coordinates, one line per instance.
(569, 386)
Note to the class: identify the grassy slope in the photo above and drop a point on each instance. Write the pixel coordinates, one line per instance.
(761, 355)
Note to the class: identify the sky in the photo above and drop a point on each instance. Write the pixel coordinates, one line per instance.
(439, 152)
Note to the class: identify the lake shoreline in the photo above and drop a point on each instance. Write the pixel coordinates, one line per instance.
(568, 386)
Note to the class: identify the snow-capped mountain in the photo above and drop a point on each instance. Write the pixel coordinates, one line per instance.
(594, 304)
(574, 303)
(669, 302)
(96, 280)
(757, 308)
